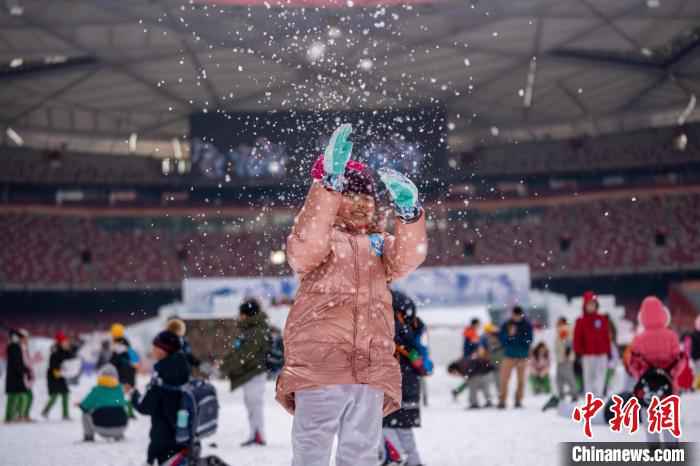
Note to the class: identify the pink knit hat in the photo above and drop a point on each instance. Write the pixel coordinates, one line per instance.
(358, 177)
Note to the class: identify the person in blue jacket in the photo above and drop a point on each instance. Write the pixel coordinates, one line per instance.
(415, 363)
(516, 338)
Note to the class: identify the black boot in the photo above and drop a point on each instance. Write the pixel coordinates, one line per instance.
(553, 402)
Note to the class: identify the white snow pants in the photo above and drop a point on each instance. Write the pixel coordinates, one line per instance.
(254, 399)
(594, 370)
(404, 441)
(353, 412)
(566, 380)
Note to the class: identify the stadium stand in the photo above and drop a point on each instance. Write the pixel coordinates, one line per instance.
(26, 165)
(648, 149)
(571, 236)
(623, 235)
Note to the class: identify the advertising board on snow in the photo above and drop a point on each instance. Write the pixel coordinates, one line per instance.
(492, 285)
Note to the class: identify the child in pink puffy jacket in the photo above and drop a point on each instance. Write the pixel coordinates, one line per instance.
(657, 346)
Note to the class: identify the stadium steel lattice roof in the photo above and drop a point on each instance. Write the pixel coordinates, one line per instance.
(104, 69)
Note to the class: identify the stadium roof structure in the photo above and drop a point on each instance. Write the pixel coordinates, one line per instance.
(100, 70)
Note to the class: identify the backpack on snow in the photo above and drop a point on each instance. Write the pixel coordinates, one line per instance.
(655, 381)
(200, 401)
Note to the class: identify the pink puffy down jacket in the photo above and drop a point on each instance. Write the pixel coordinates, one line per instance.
(340, 329)
(658, 345)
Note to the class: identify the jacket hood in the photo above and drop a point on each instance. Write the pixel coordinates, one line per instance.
(402, 303)
(174, 369)
(653, 314)
(589, 296)
(107, 381)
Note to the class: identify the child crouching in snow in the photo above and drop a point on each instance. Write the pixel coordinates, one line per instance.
(340, 374)
(104, 408)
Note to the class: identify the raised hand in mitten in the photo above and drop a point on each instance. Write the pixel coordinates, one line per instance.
(338, 151)
(403, 193)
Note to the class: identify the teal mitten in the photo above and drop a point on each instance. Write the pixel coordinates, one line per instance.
(338, 151)
(402, 191)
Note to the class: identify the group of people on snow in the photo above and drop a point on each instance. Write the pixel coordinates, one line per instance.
(354, 349)
(585, 357)
(490, 358)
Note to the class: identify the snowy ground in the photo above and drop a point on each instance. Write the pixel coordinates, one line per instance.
(451, 436)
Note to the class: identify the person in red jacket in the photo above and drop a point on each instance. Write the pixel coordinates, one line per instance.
(592, 344)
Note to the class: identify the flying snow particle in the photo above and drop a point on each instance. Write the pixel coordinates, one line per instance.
(316, 51)
(334, 32)
(366, 64)
(278, 257)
